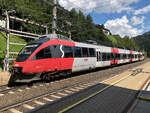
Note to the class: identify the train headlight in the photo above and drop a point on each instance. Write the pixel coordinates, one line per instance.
(16, 70)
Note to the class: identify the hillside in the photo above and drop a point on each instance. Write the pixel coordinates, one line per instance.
(144, 42)
(82, 27)
(13, 48)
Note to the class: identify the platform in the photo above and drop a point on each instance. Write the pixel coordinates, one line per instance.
(115, 95)
(4, 77)
(142, 103)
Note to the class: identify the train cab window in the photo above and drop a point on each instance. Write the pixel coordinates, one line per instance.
(85, 52)
(47, 52)
(68, 51)
(43, 54)
(39, 55)
(92, 52)
(77, 51)
(26, 52)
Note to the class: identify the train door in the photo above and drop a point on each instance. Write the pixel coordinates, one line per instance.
(85, 58)
(99, 58)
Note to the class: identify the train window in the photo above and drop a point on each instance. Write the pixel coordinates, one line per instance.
(138, 56)
(85, 52)
(117, 56)
(40, 54)
(77, 51)
(47, 52)
(43, 54)
(124, 56)
(92, 52)
(135, 56)
(112, 56)
(104, 56)
(68, 51)
(132, 56)
(108, 56)
(26, 52)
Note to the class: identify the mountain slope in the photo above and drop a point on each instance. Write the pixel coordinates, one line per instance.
(13, 48)
(144, 42)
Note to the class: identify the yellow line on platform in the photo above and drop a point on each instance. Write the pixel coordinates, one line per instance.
(144, 98)
(92, 95)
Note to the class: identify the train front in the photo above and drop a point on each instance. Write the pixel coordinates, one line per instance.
(19, 70)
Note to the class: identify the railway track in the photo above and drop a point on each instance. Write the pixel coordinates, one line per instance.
(5, 89)
(50, 95)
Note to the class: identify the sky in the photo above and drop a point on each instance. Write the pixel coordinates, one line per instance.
(123, 17)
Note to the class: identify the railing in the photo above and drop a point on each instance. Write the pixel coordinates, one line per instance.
(56, 37)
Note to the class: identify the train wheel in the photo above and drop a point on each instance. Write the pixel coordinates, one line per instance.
(46, 78)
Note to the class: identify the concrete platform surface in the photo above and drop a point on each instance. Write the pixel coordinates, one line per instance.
(115, 95)
(4, 77)
(142, 104)
(119, 97)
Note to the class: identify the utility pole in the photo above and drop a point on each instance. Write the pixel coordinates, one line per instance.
(46, 29)
(7, 40)
(69, 34)
(7, 37)
(54, 17)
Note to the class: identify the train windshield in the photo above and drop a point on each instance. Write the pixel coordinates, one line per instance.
(26, 52)
(28, 49)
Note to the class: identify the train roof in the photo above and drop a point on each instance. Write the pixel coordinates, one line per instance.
(48, 37)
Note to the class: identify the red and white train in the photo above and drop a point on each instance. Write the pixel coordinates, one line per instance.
(52, 55)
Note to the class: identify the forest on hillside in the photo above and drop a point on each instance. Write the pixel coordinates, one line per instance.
(144, 42)
(82, 27)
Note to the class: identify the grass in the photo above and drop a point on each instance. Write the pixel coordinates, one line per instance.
(13, 48)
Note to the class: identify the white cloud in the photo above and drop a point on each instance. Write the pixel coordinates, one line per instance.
(100, 6)
(137, 20)
(143, 10)
(121, 26)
